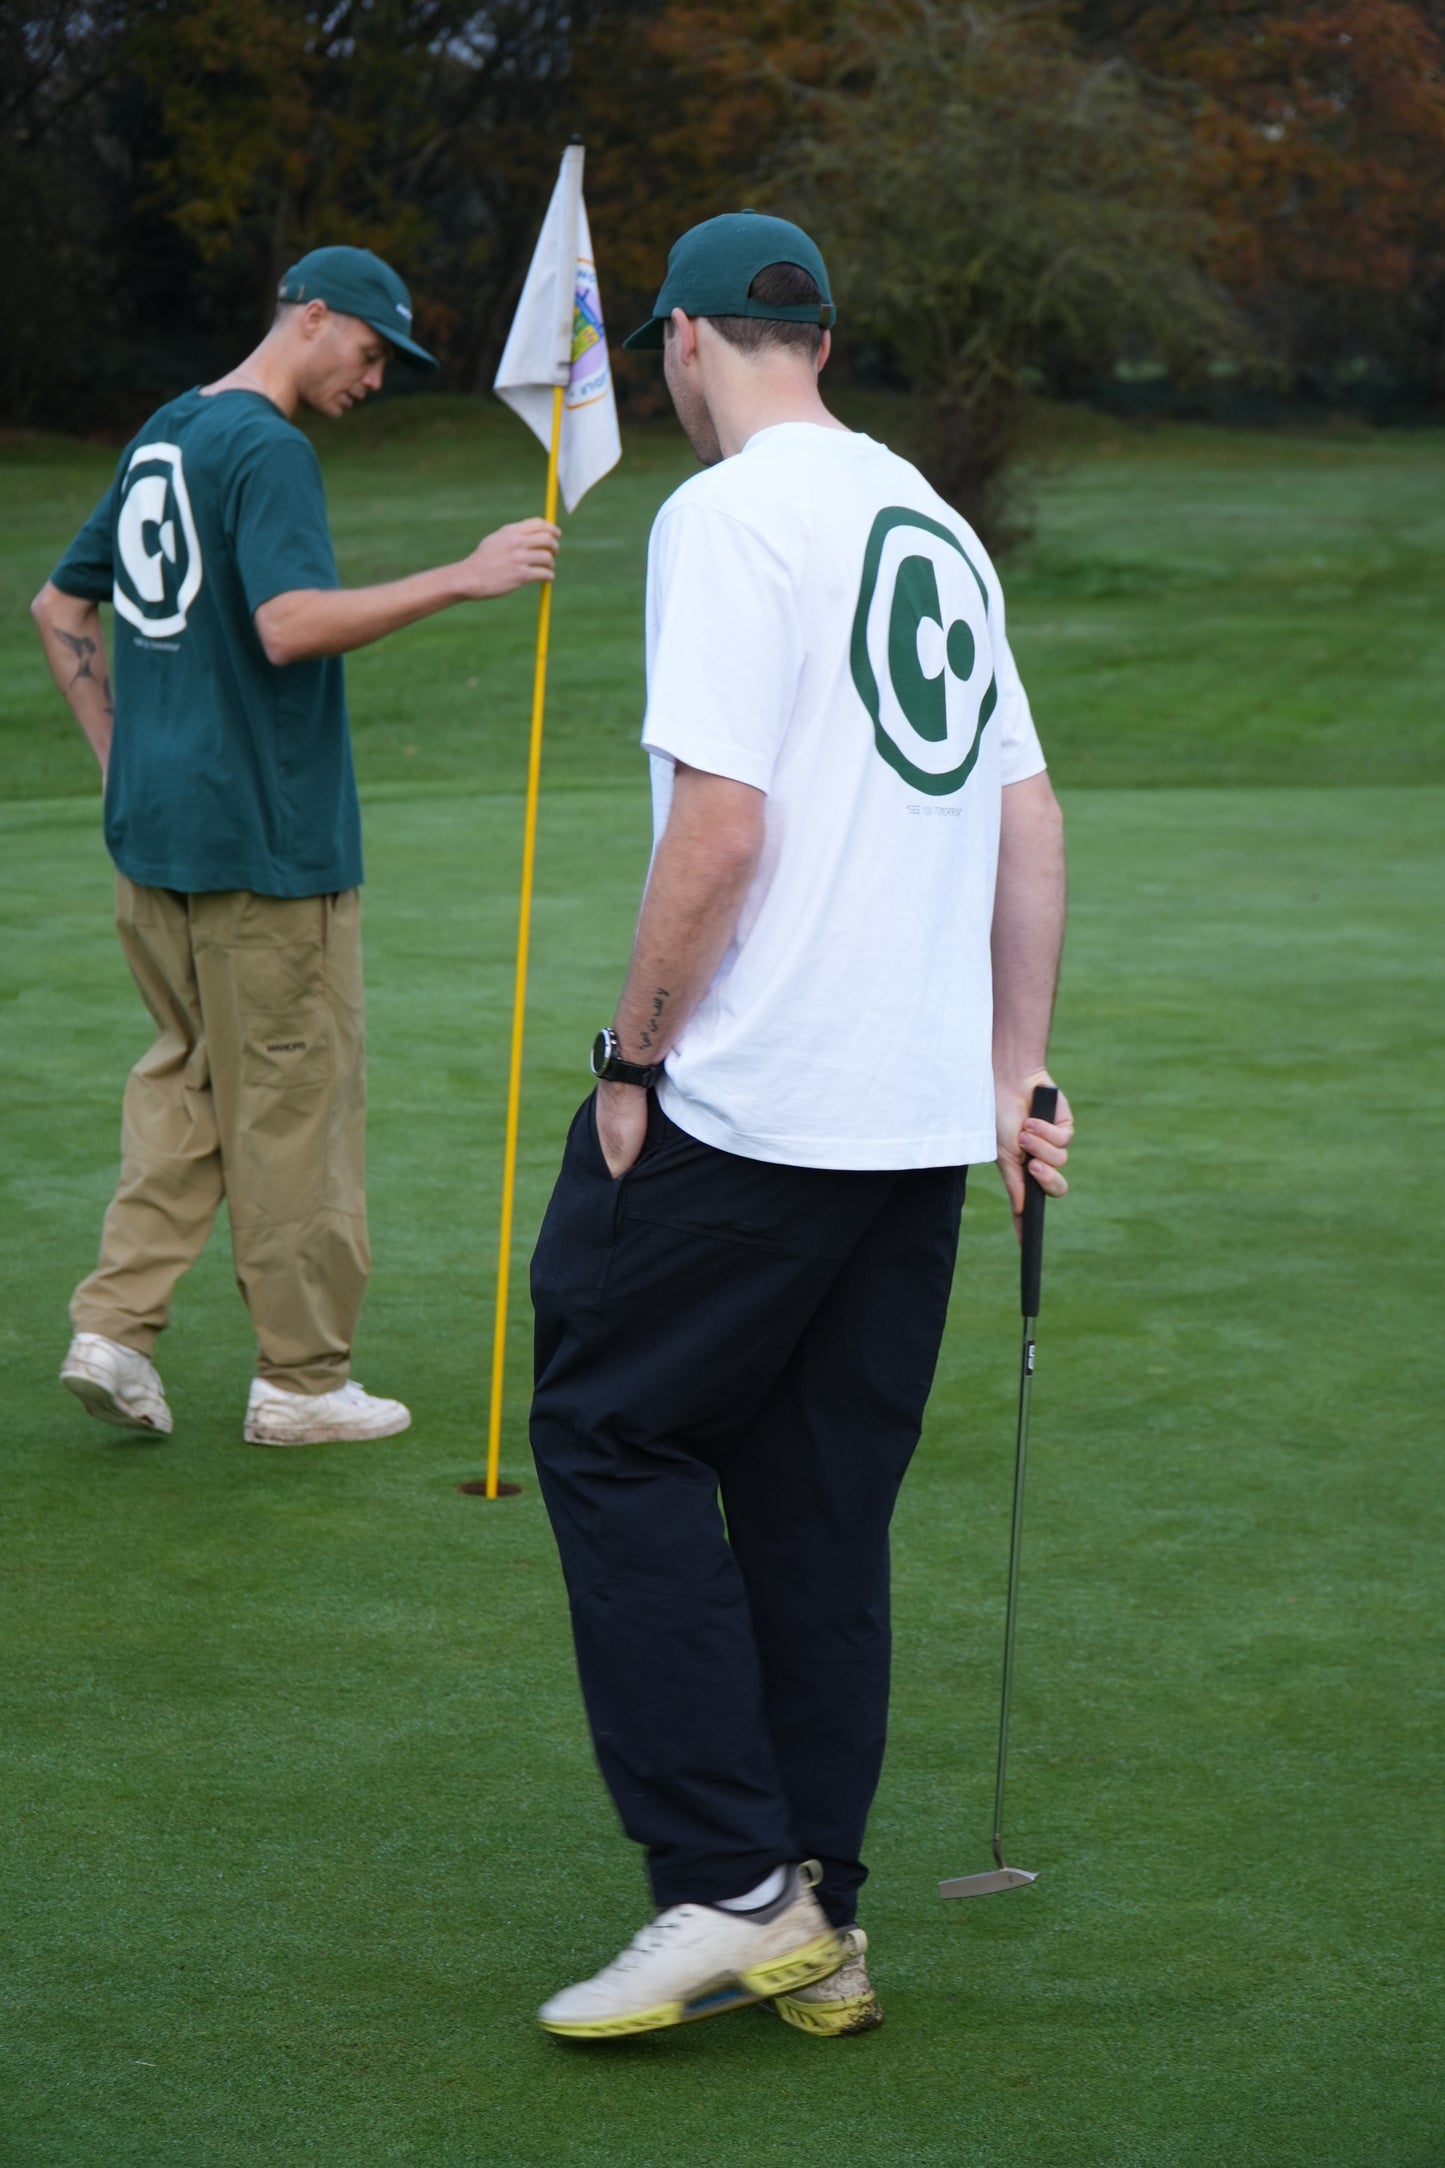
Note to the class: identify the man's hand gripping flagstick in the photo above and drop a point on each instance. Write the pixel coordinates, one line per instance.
(555, 373)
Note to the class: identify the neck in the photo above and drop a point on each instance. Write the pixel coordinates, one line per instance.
(267, 369)
(744, 396)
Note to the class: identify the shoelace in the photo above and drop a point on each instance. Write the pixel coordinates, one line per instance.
(647, 1941)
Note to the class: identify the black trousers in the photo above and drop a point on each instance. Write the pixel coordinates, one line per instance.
(732, 1362)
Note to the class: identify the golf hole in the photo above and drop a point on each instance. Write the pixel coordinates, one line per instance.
(478, 1489)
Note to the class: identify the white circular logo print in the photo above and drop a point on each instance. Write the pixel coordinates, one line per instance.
(158, 575)
(921, 654)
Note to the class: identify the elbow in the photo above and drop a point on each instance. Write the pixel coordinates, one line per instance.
(739, 835)
(734, 852)
(278, 646)
(40, 607)
(1046, 803)
(281, 630)
(717, 826)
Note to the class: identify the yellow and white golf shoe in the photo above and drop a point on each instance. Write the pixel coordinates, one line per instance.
(844, 2002)
(695, 1961)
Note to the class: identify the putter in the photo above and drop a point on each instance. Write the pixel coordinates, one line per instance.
(1044, 1105)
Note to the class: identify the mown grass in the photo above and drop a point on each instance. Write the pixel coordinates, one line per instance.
(1196, 607)
(301, 1822)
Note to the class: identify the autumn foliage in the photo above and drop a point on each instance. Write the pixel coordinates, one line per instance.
(1318, 137)
(1016, 194)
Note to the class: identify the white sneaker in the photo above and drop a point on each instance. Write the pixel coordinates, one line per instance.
(844, 2002)
(346, 1417)
(116, 1384)
(696, 1961)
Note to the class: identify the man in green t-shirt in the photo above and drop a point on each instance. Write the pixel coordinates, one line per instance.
(231, 814)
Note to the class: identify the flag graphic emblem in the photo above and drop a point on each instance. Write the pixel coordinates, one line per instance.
(558, 338)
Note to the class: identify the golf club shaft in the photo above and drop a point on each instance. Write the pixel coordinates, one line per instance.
(1044, 1106)
(1021, 1452)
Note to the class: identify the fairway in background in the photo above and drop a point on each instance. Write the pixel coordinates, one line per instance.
(301, 1816)
(1197, 606)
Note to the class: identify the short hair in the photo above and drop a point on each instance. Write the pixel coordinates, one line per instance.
(784, 285)
(283, 310)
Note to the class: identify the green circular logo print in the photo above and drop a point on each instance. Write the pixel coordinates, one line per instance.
(921, 653)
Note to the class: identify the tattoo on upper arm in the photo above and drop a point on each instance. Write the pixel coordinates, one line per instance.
(653, 1026)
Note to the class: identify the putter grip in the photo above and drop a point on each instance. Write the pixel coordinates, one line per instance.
(1044, 1104)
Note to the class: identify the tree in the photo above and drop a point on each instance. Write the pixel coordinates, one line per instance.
(1318, 136)
(1012, 192)
(165, 160)
(426, 131)
(1001, 210)
(56, 61)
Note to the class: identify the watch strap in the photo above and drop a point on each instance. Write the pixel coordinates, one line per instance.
(609, 1068)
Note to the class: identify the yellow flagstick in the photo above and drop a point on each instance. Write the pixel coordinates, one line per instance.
(519, 998)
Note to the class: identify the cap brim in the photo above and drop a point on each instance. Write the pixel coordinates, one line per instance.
(407, 349)
(648, 337)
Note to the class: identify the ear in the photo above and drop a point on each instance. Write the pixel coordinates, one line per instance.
(685, 335)
(313, 319)
(825, 348)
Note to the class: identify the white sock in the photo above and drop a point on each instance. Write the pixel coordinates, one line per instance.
(771, 1886)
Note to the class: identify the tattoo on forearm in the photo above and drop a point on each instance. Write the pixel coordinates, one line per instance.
(85, 651)
(82, 649)
(653, 1025)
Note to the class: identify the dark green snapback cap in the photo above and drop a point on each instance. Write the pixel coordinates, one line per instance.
(355, 283)
(711, 268)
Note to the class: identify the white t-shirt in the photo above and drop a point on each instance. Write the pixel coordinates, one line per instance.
(821, 625)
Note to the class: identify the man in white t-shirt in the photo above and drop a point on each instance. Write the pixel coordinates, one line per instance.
(839, 998)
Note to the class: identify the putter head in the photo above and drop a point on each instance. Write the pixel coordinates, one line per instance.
(984, 1885)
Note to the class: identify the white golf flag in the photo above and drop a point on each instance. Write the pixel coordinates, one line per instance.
(557, 337)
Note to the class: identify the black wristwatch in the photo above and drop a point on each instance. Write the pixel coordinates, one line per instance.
(609, 1068)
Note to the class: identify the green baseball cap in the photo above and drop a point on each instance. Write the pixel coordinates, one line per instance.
(711, 268)
(355, 283)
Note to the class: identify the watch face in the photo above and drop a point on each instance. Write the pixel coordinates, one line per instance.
(601, 1051)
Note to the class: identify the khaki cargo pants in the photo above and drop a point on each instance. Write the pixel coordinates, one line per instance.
(254, 1091)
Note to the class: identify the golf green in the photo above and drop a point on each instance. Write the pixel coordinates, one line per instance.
(301, 1821)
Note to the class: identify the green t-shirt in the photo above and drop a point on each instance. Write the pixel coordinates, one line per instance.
(226, 771)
